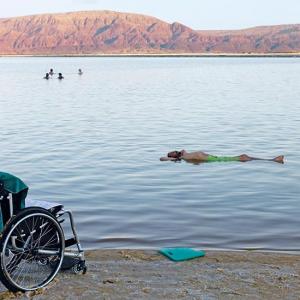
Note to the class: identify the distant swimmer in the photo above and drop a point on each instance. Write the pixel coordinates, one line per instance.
(80, 72)
(199, 156)
(51, 72)
(60, 76)
(46, 76)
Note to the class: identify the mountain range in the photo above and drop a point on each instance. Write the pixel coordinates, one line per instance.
(107, 32)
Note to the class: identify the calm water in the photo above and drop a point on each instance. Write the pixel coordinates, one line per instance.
(93, 143)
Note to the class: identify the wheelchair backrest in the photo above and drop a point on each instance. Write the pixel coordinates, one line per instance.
(18, 203)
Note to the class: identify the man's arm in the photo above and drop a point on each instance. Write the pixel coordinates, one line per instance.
(167, 159)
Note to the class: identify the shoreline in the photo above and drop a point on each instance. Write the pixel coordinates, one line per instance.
(146, 274)
(200, 55)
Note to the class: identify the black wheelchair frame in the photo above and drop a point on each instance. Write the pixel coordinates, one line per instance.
(33, 245)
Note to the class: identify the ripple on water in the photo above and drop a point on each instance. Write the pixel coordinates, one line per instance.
(93, 143)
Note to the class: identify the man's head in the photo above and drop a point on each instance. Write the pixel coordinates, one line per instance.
(175, 154)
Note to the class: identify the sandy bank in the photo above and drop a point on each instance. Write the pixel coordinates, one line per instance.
(296, 54)
(131, 274)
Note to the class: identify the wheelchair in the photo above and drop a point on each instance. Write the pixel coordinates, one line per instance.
(32, 240)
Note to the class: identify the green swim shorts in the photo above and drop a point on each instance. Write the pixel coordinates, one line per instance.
(211, 158)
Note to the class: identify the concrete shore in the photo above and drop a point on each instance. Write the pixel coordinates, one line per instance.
(138, 274)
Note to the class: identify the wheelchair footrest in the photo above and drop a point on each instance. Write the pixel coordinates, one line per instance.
(70, 242)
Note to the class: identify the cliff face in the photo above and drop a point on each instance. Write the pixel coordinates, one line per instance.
(111, 32)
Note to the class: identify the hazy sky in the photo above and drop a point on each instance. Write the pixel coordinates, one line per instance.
(198, 14)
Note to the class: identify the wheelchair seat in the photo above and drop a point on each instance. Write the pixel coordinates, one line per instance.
(53, 207)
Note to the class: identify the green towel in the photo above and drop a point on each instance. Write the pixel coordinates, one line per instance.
(17, 188)
(12, 184)
(181, 254)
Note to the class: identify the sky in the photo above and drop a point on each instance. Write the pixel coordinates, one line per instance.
(198, 14)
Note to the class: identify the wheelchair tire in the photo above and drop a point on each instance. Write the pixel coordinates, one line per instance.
(31, 242)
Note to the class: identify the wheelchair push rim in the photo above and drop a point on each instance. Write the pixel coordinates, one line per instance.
(32, 250)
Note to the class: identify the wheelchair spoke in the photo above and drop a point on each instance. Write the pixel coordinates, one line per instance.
(13, 263)
(50, 242)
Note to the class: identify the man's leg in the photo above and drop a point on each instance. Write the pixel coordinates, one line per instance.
(245, 158)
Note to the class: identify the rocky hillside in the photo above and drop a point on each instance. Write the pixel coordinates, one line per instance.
(97, 32)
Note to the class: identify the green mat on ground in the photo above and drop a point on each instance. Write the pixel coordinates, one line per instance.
(181, 254)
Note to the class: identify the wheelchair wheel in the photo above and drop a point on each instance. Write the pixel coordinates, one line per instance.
(32, 250)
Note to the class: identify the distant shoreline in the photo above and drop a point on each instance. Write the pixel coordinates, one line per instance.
(242, 55)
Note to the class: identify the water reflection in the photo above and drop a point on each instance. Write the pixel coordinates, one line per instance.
(93, 142)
